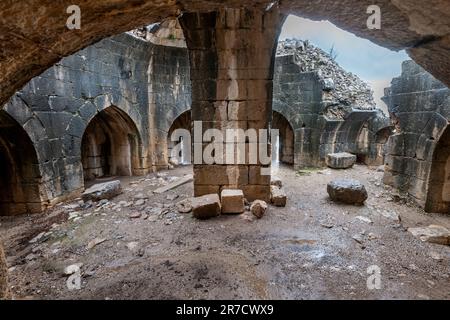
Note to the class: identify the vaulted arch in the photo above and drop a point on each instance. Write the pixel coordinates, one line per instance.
(111, 145)
(20, 176)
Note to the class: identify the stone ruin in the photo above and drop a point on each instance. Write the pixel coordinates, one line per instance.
(329, 110)
(111, 108)
(108, 108)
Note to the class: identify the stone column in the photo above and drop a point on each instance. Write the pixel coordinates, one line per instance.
(232, 54)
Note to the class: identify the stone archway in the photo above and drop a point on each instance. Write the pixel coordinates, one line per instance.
(20, 176)
(183, 121)
(438, 198)
(285, 148)
(111, 145)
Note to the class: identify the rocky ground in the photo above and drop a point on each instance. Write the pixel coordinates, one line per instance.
(137, 246)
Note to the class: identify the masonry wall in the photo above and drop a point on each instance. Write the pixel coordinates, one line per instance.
(145, 81)
(420, 107)
(169, 96)
(302, 97)
(151, 85)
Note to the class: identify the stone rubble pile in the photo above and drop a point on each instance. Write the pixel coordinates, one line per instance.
(344, 89)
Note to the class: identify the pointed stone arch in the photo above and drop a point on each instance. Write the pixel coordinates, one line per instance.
(286, 137)
(438, 197)
(20, 176)
(111, 145)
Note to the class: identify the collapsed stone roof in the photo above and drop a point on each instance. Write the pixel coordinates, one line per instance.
(344, 89)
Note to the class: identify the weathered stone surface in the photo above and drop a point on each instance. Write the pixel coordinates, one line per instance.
(404, 28)
(347, 191)
(258, 208)
(232, 201)
(214, 88)
(4, 289)
(276, 181)
(207, 206)
(278, 196)
(342, 160)
(107, 190)
(343, 88)
(418, 154)
(433, 233)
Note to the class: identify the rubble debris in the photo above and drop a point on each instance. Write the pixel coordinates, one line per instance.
(364, 219)
(347, 191)
(101, 191)
(258, 208)
(341, 160)
(174, 184)
(95, 242)
(344, 90)
(206, 206)
(391, 215)
(277, 196)
(135, 215)
(172, 197)
(433, 234)
(73, 268)
(232, 201)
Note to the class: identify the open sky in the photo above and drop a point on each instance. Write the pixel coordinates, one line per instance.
(372, 63)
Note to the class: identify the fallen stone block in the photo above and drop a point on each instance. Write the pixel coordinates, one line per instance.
(106, 190)
(342, 160)
(174, 184)
(347, 191)
(206, 206)
(276, 181)
(258, 208)
(277, 196)
(433, 234)
(232, 201)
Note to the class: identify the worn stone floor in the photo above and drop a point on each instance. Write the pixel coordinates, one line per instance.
(306, 250)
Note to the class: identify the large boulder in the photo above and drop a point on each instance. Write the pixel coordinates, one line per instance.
(342, 160)
(347, 191)
(4, 290)
(232, 201)
(433, 233)
(207, 206)
(106, 190)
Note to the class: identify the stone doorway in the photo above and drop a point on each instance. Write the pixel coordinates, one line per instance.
(284, 145)
(438, 199)
(19, 170)
(110, 145)
(182, 139)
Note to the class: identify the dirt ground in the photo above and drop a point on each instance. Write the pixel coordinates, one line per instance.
(311, 249)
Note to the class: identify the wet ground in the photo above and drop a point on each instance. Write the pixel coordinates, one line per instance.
(311, 249)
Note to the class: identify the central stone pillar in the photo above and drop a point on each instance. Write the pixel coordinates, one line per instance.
(232, 53)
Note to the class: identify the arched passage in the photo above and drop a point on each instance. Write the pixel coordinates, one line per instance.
(183, 121)
(438, 198)
(284, 150)
(20, 176)
(110, 145)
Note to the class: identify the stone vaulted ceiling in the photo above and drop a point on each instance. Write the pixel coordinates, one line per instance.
(33, 34)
